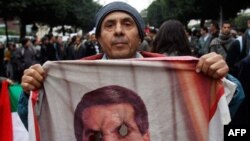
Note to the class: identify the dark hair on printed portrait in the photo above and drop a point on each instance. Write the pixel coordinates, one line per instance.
(110, 95)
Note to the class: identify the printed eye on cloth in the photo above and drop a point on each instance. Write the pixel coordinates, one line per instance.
(180, 104)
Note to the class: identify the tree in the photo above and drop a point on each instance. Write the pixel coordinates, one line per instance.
(161, 10)
(9, 9)
(51, 12)
(154, 14)
(185, 10)
(241, 21)
(78, 13)
(83, 14)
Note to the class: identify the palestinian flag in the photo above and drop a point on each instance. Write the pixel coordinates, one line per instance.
(11, 126)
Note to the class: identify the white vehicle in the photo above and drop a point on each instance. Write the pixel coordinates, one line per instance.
(12, 38)
(3, 38)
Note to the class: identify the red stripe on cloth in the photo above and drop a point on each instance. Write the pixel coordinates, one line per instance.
(6, 132)
(196, 102)
(34, 100)
(215, 102)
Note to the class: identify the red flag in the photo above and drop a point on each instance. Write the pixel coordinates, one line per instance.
(6, 133)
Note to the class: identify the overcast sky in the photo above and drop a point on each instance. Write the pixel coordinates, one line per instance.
(138, 4)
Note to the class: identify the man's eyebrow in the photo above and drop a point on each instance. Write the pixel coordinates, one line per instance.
(123, 19)
(109, 21)
(128, 19)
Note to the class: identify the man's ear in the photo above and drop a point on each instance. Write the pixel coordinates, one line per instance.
(146, 136)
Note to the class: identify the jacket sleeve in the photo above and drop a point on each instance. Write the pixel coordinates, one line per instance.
(238, 95)
(233, 57)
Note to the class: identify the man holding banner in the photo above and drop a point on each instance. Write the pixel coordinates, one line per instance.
(119, 30)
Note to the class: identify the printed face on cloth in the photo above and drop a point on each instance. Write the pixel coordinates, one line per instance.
(119, 36)
(111, 123)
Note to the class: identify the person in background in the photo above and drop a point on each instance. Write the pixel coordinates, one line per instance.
(70, 53)
(204, 41)
(171, 40)
(25, 57)
(37, 45)
(92, 46)
(239, 49)
(79, 48)
(193, 42)
(222, 43)
(214, 29)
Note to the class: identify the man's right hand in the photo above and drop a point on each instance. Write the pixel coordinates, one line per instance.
(33, 78)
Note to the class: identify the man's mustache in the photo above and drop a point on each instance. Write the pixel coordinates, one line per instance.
(119, 40)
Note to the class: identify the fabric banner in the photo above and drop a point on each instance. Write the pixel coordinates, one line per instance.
(165, 100)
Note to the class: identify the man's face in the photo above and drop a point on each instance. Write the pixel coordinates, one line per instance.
(46, 41)
(111, 123)
(212, 28)
(119, 36)
(92, 37)
(59, 39)
(78, 40)
(28, 44)
(226, 28)
(203, 32)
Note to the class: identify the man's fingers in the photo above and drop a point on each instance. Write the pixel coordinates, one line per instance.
(38, 68)
(219, 69)
(215, 65)
(30, 83)
(33, 78)
(204, 63)
(34, 74)
(212, 65)
(27, 87)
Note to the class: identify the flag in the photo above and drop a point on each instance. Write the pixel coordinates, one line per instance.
(11, 126)
(182, 105)
(6, 133)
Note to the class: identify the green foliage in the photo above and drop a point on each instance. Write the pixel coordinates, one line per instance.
(161, 10)
(154, 15)
(10, 8)
(185, 10)
(78, 13)
(11, 32)
(83, 13)
(241, 21)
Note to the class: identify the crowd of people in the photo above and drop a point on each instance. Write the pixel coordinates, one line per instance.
(16, 58)
(173, 39)
(120, 34)
(169, 39)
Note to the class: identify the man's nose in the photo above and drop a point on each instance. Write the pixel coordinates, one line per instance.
(118, 29)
